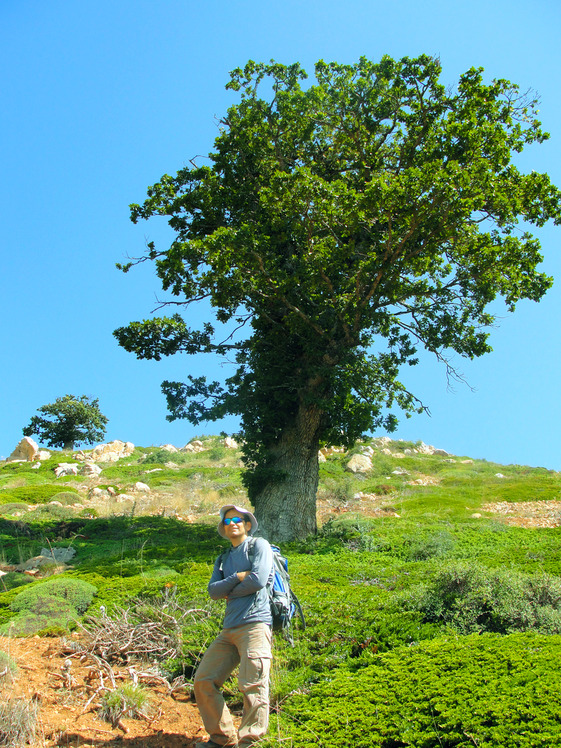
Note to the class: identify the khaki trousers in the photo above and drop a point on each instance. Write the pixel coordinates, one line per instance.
(249, 647)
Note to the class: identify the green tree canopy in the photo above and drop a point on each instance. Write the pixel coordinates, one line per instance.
(341, 226)
(68, 421)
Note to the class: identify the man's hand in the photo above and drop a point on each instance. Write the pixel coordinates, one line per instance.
(242, 575)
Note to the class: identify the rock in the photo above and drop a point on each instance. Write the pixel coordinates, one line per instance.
(466, 462)
(368, 451)
(476, 515)
(386, 451)
(142, 487)
(169, 448)
(112, 451)
(36, 466)
(359, 464)
(26, 451)
(194, 446)
(111, 491)
(62, 555)
(385, 440)
(122, 497)
(499, 475)
(441, 453)
(43, 455)
(230, 443)
(171, 465)
(321, 457)
(90, 468)
(399, 471)
(66, 468)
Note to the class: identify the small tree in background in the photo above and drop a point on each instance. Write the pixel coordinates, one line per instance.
(67, 421)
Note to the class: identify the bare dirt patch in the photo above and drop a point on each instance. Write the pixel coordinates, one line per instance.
(527, 513)
(62, 693)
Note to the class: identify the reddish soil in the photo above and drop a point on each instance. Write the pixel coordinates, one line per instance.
(41, 676)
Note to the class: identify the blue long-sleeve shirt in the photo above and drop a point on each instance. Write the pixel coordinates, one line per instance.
(247, 601)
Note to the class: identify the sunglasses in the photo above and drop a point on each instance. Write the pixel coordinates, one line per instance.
(235, 520)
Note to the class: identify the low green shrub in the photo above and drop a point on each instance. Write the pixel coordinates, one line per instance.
(12, 507)
(488, 691)
(67, 497)
(40, 494)
(472, 598)
(53, 617)
(128, 700)
(76, 592)
(14, 579)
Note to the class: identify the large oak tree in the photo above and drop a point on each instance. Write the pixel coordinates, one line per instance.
(341, 226)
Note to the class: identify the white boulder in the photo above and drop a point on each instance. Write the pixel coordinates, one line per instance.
(141, 487)
(359, 464)
(90, 468)
(66, 468)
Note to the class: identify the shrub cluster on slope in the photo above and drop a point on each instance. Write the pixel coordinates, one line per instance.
(487, 691)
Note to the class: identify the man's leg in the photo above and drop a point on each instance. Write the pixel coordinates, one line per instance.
(254, 646)
(218, 662)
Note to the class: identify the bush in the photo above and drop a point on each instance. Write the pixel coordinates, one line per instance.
(14, 579)
(18, 720)
(41, 494)
(51, 617)
(473, 598)
(12, 507)
(7, 666)
(75, 592)
(489, 691)
(67, 497)
(125, 701)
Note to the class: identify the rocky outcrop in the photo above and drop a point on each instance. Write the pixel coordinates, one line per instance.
(195, 446)
(66, 468)
(110, 452)
(91, 469)
(360, 463)
(26, 451)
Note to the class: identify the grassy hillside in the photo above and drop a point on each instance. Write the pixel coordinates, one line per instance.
(432, 620)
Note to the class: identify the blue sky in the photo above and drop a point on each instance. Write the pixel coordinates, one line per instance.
(102, 98)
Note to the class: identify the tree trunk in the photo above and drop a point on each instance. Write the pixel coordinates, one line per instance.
(286, 508)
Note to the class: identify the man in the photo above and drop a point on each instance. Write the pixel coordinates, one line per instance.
(240, 576)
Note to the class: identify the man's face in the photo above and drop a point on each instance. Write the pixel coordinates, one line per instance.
(236, 532)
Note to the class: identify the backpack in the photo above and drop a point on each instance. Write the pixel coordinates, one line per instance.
(282, 598)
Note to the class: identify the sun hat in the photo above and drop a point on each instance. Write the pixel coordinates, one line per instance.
(243, 513)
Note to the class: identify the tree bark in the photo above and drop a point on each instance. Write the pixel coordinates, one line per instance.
(285, 508)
